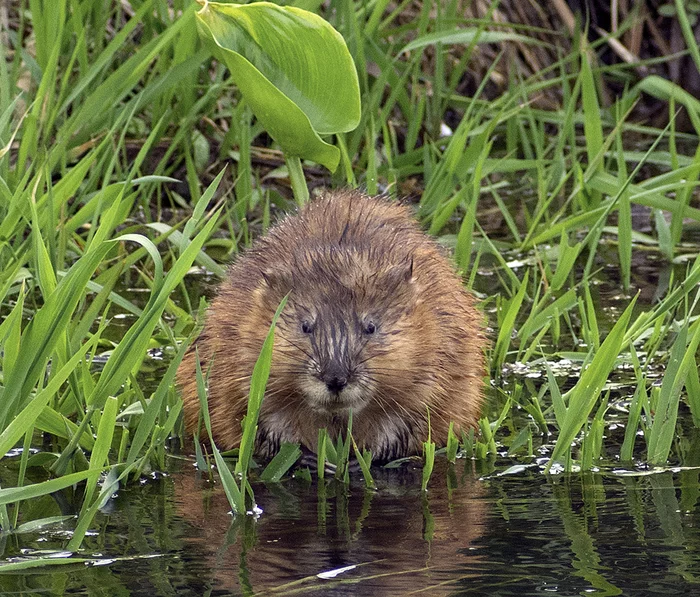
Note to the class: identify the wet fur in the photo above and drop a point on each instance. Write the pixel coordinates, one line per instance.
(346, 259)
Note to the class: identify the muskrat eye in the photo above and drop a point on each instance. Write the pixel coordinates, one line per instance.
(369, 328)
(306, 327)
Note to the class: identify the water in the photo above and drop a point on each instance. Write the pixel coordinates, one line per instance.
(483, 528)
(479, 530)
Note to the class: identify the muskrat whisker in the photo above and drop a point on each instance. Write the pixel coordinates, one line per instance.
(243, 379)
(274, 393)
(293, 353)
(392, 370)
(297, 346)
(383, 399)
(292, 362)
(374, 355)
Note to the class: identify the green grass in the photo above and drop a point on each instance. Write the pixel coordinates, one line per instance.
(98, 241)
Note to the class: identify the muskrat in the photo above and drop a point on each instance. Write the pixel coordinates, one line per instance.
(377, 322)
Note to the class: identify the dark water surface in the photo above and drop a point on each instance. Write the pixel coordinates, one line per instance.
(481, 529)
(476, 532)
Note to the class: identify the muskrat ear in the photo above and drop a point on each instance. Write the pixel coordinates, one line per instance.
(401, 273)
(268, 277)
(271, 286)
(278, 280)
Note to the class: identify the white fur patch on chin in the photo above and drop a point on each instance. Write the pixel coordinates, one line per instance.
(320, 399)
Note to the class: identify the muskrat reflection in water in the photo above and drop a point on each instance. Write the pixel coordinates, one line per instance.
(377, 322)
(401, 540)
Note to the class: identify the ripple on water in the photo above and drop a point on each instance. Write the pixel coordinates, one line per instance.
(479, 530)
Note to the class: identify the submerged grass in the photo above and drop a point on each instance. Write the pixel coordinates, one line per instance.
(109, 149)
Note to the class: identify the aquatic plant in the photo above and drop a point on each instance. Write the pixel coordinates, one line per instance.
(295, 72)
(115, 206)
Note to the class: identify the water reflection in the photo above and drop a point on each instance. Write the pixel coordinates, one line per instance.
(390, 542)
(478, 531)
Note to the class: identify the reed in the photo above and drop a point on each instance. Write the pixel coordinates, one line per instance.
(100, 243)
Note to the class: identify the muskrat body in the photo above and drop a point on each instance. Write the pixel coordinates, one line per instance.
(377, 322)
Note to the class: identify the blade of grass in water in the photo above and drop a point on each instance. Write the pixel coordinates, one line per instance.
(234, 493)
(109, 486)
(585, 393)
(284, 460)
(321, 453)
(592, 443)
(428, 463)
(342, 454)
(663, 428)
(10, 495)
(592, 124)
(364, 459)
(639, 399)
(428, 458)
(98, 460)
(452, 444)
(258, 382)
(624, 217)
(511, 309)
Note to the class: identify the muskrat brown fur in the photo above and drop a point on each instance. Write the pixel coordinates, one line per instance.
(377, 322)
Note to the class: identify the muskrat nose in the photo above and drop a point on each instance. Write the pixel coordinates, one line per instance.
(335, 383)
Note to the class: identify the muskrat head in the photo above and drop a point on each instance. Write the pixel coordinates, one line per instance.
(341, 337)
(336, 341)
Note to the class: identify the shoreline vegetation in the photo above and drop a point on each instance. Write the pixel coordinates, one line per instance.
(542, 150)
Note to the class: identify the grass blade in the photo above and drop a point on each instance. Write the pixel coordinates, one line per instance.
(585, 393)
(285, 459)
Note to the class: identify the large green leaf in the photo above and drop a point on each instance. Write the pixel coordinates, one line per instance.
(293, 69)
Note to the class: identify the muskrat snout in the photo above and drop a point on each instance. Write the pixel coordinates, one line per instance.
(335, 381)
(337, 354)
(333, 388)
(336, 375)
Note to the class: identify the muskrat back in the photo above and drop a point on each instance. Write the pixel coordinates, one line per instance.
(377, 322)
